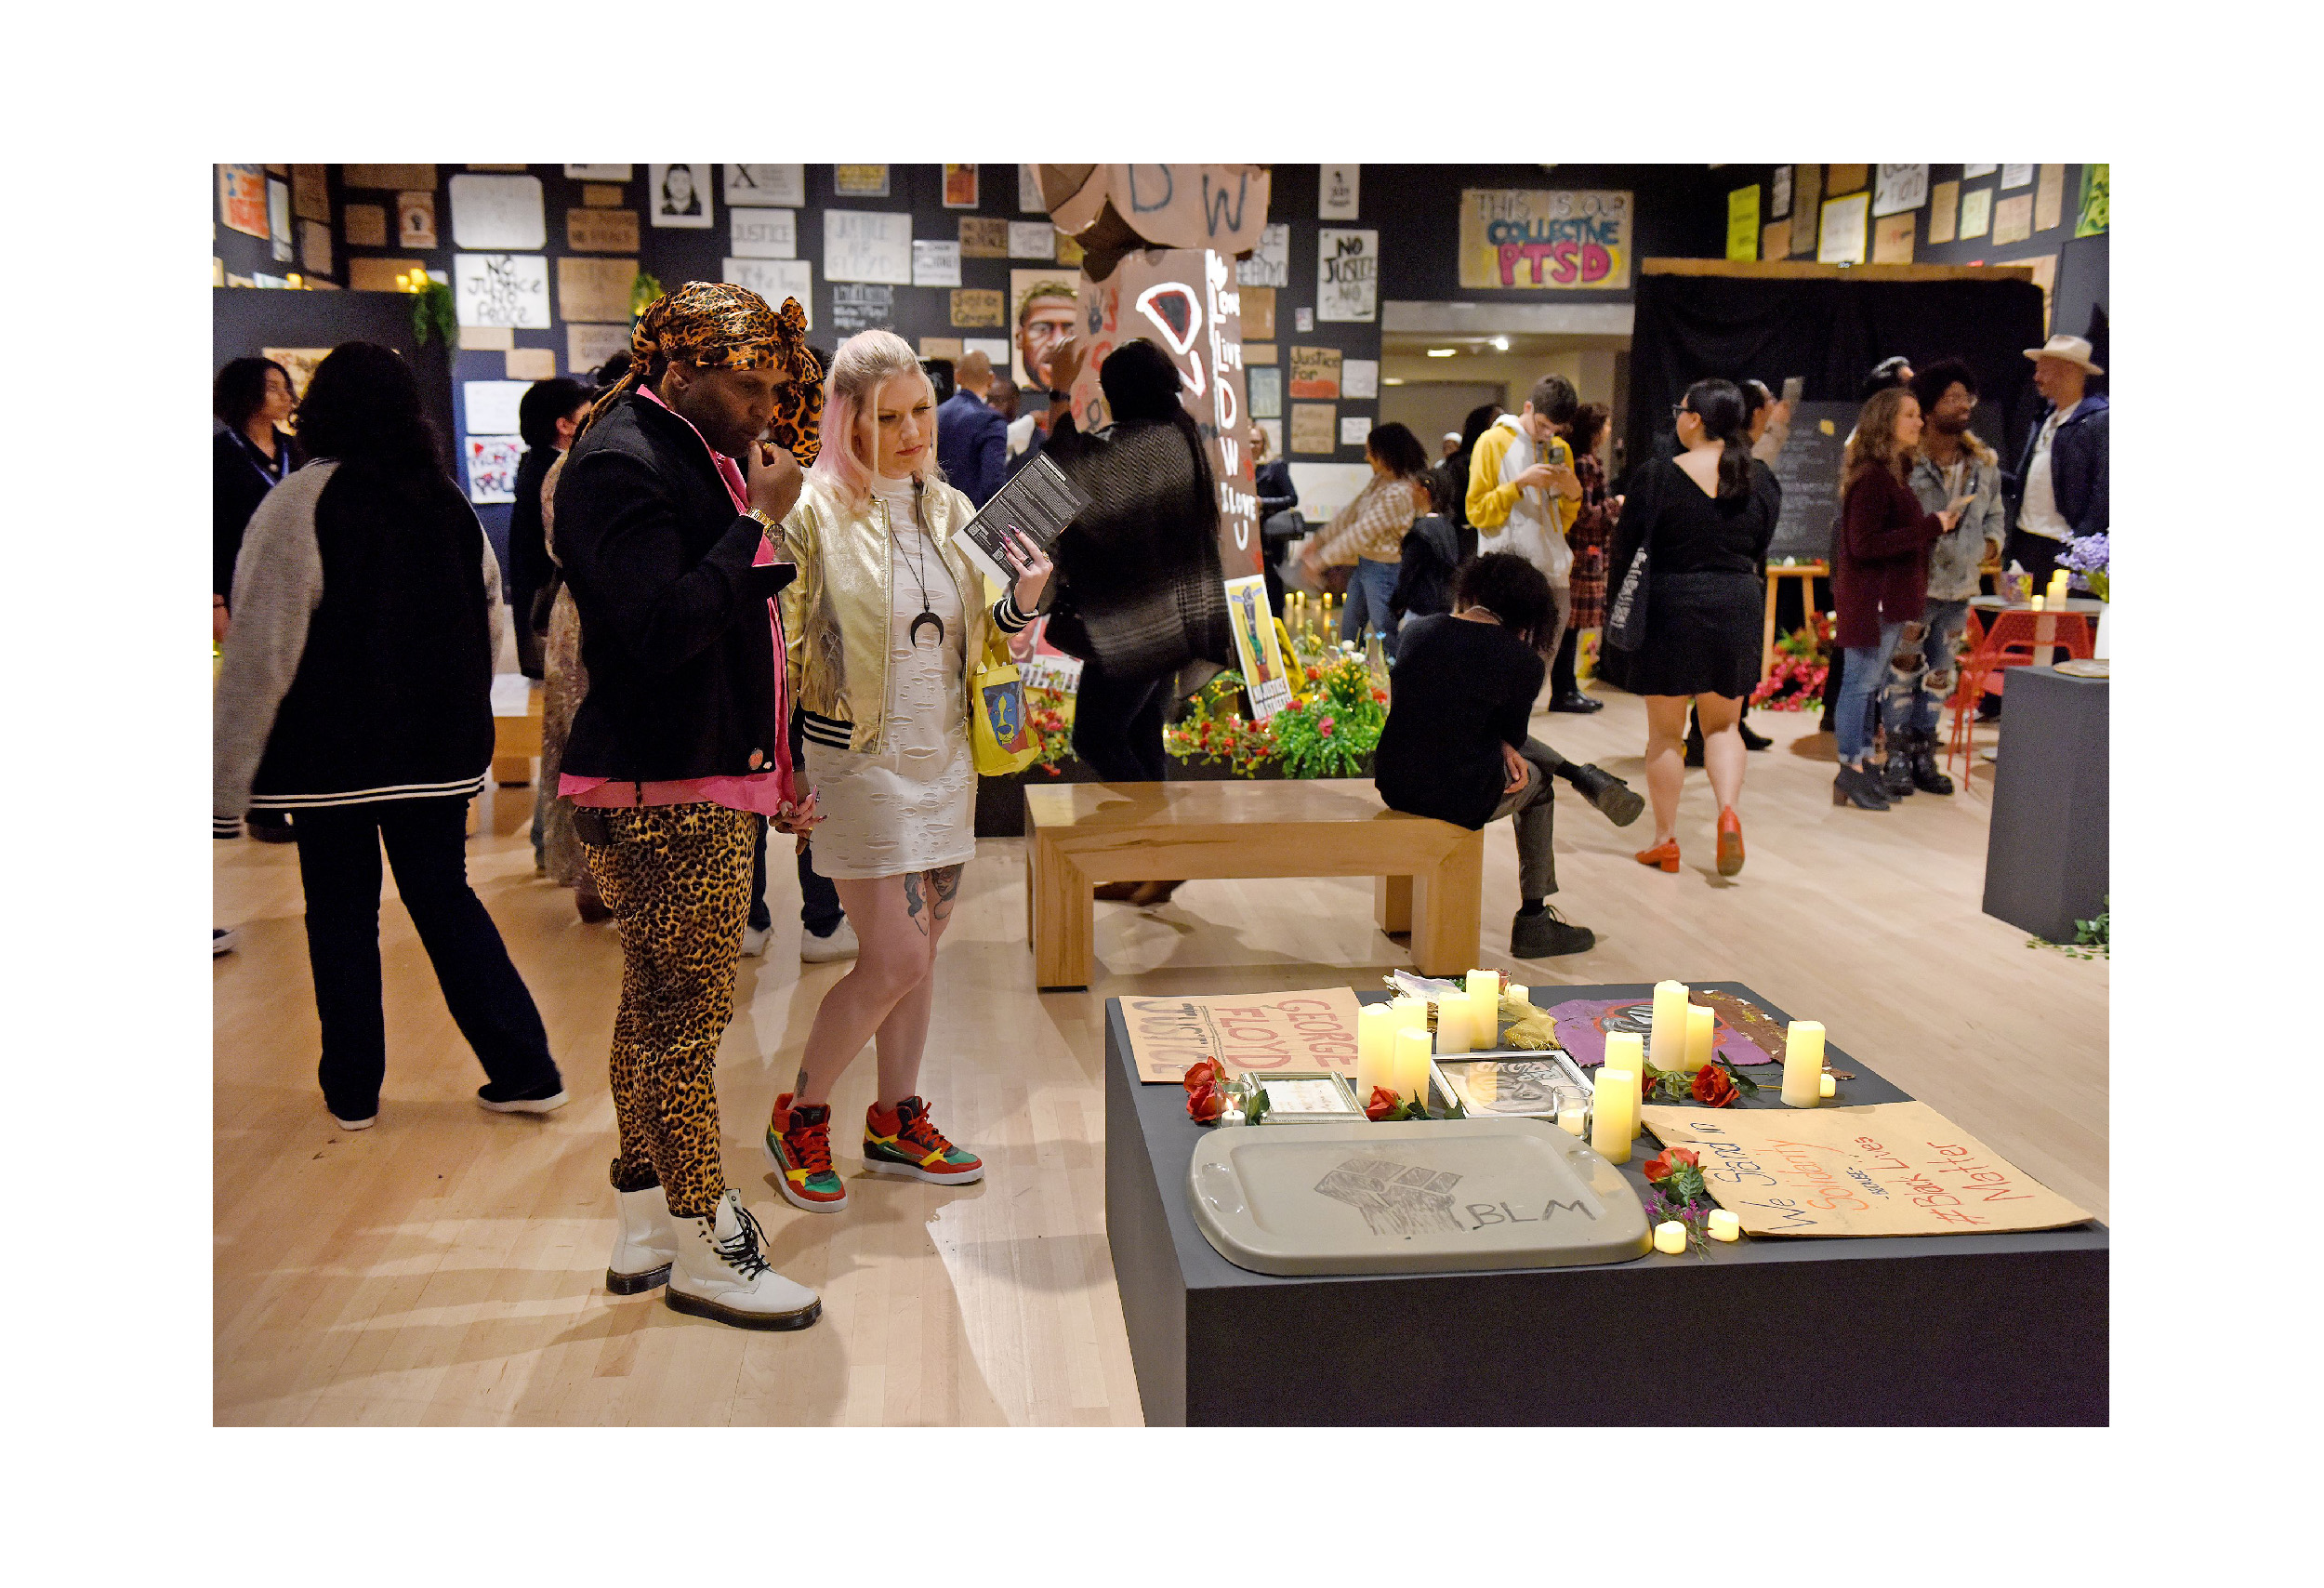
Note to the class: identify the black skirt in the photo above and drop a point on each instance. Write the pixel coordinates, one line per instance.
(1703, 636)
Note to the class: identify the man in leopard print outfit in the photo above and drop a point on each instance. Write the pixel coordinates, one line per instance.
(680, 746)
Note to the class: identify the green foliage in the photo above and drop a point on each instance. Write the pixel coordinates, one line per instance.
(642, 292)
(1334, 729)
(435, 315)
(2092, 938)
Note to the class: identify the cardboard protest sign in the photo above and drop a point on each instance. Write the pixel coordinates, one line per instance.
(1247, 1031)
(1876, 1169)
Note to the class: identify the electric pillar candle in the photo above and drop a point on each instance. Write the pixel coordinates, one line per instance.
(1374, 1048)
(1668, 1052)
(1452, 1023)
(1803, 1064)
(1626, 1054)
(1671, 1238)
(1700, 1024)
(1614, 1114)
(1411, 1065)
(1724, 1226)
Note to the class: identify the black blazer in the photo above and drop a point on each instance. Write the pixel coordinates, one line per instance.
(673, 629)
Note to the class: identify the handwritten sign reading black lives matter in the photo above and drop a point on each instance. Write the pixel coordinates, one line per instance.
(1879, 1169)
(1248, 1031)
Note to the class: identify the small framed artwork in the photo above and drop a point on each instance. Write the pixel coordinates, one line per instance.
(1308, 1097)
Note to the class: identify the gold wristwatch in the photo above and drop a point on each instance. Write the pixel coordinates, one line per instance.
(772, 527)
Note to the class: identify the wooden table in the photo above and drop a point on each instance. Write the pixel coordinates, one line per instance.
(1080, 834)
(1811, 571)
(516, 729)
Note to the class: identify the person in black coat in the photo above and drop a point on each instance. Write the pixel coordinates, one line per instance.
(971, 438)
(1429, 556)
(250, 454)
(356, 690)
(549, 416)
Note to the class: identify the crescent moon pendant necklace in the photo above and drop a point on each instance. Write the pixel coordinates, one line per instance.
(920, 577)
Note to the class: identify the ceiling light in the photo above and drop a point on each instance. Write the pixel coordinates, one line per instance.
(1441, 353)
(1392, 381)
(1500, 344)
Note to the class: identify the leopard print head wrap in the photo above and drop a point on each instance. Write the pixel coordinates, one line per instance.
(719, 325)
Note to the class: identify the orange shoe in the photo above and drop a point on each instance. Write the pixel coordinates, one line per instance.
(1730, 842)
(1665, 856)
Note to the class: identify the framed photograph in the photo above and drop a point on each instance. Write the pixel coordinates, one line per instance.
(1533, 1086)
(860, 181)
(961, 187)
(785, 186)
(597, 173)
(678, 195)
(1308, 1097)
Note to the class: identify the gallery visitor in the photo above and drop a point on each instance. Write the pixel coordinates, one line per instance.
(1880, 574)
(1522, 491)
(1589, 538)
(2059, 485)
(1426, 561)
(1366, 535)
(356, 690)
(672, 554)
(250, 454)
(549, 416)
(887, 622)
(1703, 523)
(971, 438)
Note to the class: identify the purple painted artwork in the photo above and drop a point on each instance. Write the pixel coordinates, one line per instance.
(1742, 1032)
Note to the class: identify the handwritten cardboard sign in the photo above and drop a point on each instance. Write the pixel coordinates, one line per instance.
(1878, 1169)
(1315, 372)
(1247, 1031)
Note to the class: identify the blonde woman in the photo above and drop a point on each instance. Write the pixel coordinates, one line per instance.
(887, 622)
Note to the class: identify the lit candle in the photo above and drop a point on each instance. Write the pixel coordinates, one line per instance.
(1375, 1049)
(1827, 1086)
(1573, 1122)
(1626, 1053)
(1482, 982)
(1517, 990)
(1671, 1238)
(1452, 1023)
(1700, 1025)
(1669, 1049)
(1410, 1013)
(1411, 1065)
(2061, 584)
(2036, 602)
(1612, 1111)
(1724, 1226)
(1803, 1064)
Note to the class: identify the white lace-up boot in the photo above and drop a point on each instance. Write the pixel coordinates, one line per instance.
(722, 1273)
(644, 1245)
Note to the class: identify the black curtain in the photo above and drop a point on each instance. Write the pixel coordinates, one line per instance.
(1831, 333)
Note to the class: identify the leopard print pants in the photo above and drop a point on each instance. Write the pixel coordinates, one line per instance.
(677, 880)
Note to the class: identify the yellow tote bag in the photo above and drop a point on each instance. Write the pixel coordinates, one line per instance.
(999, 727)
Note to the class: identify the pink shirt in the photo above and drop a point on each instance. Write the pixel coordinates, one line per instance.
(770, 793)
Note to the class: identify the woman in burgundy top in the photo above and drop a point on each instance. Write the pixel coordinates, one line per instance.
(1880, 574)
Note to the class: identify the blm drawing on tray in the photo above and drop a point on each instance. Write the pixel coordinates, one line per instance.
(1742, 1032)
(1395, 1199)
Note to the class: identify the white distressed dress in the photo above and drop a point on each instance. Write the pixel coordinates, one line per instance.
(912, 807)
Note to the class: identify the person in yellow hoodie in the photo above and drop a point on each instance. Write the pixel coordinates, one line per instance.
(1523, 496)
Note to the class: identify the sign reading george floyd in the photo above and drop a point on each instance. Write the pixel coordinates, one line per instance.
(1546, 241)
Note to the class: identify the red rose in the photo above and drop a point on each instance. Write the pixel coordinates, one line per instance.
(1664, 1164)
(1714, 1086)
(1384, 1104)
(1205, 1103)
(1202, 1073)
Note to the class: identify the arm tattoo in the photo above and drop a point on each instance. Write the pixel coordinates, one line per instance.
(799, 1087)
(912, 901)
(944, 884)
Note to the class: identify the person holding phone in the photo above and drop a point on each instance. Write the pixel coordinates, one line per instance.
(1880, 574)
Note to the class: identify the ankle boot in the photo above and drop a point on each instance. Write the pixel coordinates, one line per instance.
(1753, 739)
(722, 1274)
(1614, 798)
(1926, 774)
(1896, 770)
(644, 1245)
(1859, 787)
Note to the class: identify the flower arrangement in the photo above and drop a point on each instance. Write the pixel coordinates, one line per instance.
(1051, 714)
(1717, 1085)
(1332, 731)
(1803, 663)
(1675, 1191)
(1213, 730)
(1204, 1082)
(1387, 1108)
(2090, 558)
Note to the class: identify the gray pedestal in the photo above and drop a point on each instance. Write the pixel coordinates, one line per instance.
(1948, 1329)
(2045, 858)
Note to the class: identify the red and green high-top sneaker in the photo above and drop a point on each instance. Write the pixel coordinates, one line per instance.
(906, 1142)
(798, 1143)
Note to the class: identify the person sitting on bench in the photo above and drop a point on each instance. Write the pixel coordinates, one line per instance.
(1457, 745)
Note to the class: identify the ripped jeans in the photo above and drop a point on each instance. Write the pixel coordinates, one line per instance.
(1922, 670)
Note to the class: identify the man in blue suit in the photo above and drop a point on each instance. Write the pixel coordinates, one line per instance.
(972, 439)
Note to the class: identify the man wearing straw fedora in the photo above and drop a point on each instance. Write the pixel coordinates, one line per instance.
(2058, 490)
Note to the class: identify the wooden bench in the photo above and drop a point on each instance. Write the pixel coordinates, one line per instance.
(516, 729)
(1431, 873)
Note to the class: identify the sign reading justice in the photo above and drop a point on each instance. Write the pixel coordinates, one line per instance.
(1252, 1031)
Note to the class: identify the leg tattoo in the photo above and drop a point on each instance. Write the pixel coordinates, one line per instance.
(912, 901)
(943, 887)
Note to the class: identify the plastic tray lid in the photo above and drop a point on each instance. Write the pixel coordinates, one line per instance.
(1425, 1196)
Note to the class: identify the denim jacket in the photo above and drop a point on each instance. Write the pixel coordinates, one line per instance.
(1953, 559)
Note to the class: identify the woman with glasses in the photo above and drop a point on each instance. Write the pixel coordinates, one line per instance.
(1702, 521)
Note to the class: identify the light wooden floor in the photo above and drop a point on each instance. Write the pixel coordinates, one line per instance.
(446, 1265)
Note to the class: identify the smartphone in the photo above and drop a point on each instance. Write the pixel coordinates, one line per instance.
(1793, 386)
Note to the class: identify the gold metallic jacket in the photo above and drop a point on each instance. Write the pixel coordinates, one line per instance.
(836, 613)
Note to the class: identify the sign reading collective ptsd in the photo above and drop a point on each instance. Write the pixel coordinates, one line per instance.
(1547, 241)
